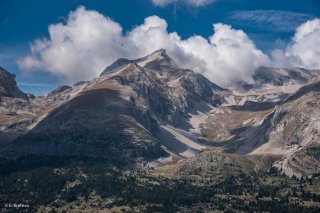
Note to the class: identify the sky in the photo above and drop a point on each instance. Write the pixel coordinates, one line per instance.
(47, 43)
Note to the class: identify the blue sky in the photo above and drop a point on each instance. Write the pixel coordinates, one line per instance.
(269, 24)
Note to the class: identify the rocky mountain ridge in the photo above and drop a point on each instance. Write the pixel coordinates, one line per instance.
(150, 110)
(128, 105)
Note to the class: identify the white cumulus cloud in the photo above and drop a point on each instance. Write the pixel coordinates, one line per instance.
(78, 49)
(303, 51)
(194, 3)
(87, 42)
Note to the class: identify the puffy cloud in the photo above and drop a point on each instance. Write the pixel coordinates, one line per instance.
(194, 3)
(303, 51)
(78, 49)
(83, 46)
(229, 55)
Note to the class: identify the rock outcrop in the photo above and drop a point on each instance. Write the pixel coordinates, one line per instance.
(8, 86)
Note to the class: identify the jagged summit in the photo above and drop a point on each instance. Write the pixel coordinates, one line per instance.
(8, 85)
(161, 51)
(159, 59)
(155, 56)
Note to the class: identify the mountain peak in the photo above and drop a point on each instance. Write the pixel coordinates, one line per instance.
(160, 52)
(158, 60)
(156, 55)
(154, 61)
